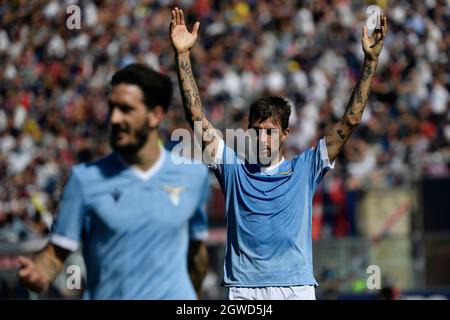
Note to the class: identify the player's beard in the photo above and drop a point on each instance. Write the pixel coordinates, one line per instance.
(141, 137)
(266, 158)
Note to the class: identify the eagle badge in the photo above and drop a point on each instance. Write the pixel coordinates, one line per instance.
(174, 194)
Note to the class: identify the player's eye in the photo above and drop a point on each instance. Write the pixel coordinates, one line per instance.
(125, 108)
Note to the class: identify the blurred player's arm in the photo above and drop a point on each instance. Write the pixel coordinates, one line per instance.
(198, 264)
(183, 41)
(341, 131)
(38, 274)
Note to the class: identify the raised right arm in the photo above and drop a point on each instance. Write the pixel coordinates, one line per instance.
(183, 41)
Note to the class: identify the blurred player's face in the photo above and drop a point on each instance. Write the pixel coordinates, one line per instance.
(130, 120)
(270, 139)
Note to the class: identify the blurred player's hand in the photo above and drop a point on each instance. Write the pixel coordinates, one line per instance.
(32, 277)
(182, 39)
(372, 45)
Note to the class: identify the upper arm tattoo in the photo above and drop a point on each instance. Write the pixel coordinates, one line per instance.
(342, 130)
(191, 97)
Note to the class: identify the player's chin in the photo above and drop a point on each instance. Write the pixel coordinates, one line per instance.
(118, 142)
(121, 143)
(264, 157)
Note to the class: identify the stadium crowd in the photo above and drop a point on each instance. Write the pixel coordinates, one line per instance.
(53, 87)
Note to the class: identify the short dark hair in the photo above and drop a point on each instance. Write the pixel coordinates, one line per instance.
(272, 107)
(156, 87)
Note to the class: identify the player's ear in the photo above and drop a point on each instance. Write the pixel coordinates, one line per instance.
(284, 134)
(155, 116)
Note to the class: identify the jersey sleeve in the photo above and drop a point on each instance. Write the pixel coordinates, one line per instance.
(225, 162)
(67, 229)
(198, 224)
(318, 162)
(216, 164)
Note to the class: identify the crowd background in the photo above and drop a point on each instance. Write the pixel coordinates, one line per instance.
(53, 88)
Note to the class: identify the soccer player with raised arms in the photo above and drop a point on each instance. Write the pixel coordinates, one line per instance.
(269, 204)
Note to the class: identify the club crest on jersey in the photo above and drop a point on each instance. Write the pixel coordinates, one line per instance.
(174, 194)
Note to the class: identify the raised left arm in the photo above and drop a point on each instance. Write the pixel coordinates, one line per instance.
(341, 131)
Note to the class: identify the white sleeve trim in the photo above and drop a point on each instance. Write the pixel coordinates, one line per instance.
(218, 156)
(64, 242)
(200, 235)
(324, 155)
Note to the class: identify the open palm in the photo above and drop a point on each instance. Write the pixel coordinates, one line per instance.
(372, 45)
(182, 39)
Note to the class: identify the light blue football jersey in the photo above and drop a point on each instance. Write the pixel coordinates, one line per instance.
(134, 227)
(269, 217)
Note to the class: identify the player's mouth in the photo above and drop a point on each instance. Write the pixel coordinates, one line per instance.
(264, 151)
(119, 135)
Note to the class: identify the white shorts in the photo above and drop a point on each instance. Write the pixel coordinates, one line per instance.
(272, 293)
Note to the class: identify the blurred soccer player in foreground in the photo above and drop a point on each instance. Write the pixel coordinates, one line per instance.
(134, 211)
(269, 207)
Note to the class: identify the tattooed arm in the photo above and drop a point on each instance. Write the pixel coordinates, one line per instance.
(342, 130)
(183, 41)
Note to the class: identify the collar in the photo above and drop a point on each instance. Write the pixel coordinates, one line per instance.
(145, 175)
(266, 170)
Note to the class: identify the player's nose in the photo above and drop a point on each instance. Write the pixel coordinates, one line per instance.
(116, 116)
(264, 139)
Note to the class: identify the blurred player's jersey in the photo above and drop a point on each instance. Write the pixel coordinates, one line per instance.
(134, 226)
(269, 214)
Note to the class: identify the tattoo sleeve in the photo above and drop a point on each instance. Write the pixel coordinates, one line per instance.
(191, 98)
(341, 131)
